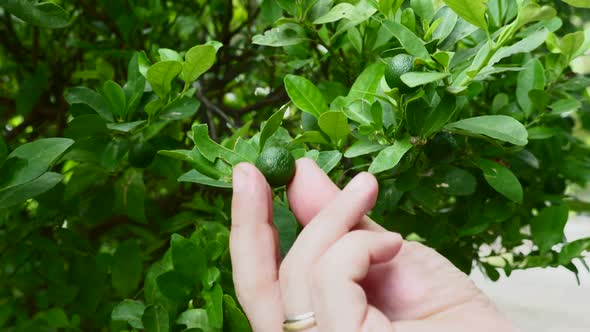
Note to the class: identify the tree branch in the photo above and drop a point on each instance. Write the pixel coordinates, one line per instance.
(212, 107)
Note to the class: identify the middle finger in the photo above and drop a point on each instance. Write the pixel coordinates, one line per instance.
(327, 227)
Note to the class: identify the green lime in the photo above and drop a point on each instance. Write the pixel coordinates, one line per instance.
(442, 148)
(142, 154)
(277, 164)
(395, 68)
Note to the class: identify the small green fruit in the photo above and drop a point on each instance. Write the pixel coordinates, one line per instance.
(396, 67)
(142, 154)
(277, 164)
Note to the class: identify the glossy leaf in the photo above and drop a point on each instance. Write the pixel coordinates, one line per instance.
(416, 79)
(501, 179)
(195, 319)
(305, 95)
(195, 176)
(286, 225)
(160, 76)
(198, 60)
(271, 126)
(327, 160)
(472, 11)
(286, 34)
(389, 157)
(127, 268)
(81, 95)
(335, 125)
(22, 192)
(410, 42)
(129, 311)
(214, 306)
(44, 14)
(31, 160)
(531, 78)
(499, 127)
(155, 319)
(187, 257)
(367, 83)
(547, 227)
(114, 97)
(361, 148)
(233, 316)
(211, 150)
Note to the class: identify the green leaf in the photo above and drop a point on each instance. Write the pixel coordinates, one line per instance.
(81, 95)
(198, 60)
(31, 160)
(195, 319)
(578, 3)
(423, 8)
(44, 15)
(160, 76)
(366, 85)
(547, 227)
(526, 45)
(472, 11)
(531, 78)
(195, 176)
(439, 117)
(389, 157)
(271, 126)
(416, 79)
(499, 127)
(56, 318)
(25, 191)
(361, 148)
(167, 54)
(86, 126)
(114, 96)
(314, 137)
(327, 160)
(410, 42)
(573, 250)
(130, 195)
(211, 150)
(531, 12)
(129, 311)
(286, 225)
(335, 125)
(455, 181)
(305, 95)
(537, 133)
(187, 257)
(180, 109)
(565, 105)
(155, 319)
(286, 34)
(338, 12)
(501, 179)
(127, 268)
(126, 127)
(175, 285)
(234, 317)
(214, 306)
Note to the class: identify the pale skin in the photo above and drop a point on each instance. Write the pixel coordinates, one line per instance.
(353, 274)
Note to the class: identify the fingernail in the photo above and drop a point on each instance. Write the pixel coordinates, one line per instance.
(239, 179)
(358, 183)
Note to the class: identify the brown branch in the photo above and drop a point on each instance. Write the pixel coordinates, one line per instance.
(212, 107)
(276, 98)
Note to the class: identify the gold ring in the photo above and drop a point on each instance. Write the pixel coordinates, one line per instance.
(299, 323)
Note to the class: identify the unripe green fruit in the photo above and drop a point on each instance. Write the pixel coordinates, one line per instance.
(277, 164)
(142, 154)
(396, 67)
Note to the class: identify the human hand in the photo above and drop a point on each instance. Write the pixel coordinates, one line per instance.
(335, 272)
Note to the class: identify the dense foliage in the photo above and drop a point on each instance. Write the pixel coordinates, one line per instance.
(121, 121)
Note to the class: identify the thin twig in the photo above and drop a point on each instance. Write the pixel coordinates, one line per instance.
(211, 106)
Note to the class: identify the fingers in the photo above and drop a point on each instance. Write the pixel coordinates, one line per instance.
(329, 225)
(311, 190)
(339, 301)
(253, 248)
